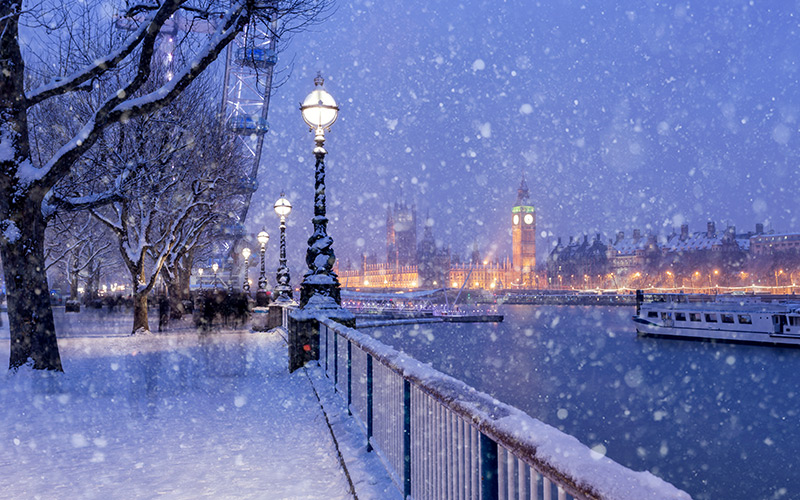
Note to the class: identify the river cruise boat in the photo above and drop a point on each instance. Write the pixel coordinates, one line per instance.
(726, 318)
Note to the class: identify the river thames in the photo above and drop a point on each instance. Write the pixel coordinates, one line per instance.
(717, 420)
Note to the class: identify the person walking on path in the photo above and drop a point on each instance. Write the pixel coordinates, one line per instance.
(163, 312)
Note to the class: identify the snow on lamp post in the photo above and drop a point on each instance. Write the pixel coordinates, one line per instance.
(284, 288)
(261, 293)
(319, 111)
(246, 281)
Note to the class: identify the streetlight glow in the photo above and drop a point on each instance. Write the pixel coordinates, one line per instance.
(319, 109)
(263, 238)
(282, 207)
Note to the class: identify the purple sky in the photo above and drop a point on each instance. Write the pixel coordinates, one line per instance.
(621, 115)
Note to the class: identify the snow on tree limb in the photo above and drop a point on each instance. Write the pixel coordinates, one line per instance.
(57, 202)
(61, 86)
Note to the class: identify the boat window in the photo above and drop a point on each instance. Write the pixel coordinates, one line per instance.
(711, 318)
(680, 316)
(652, 314)
(727, 318)
(695, 317)
(744, 319)
(794, 320)
(665, 316)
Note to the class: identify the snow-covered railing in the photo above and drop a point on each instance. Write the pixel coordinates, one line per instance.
(440, 438)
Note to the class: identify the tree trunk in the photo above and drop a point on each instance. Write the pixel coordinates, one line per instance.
(140, 321)
(93, 280)
(73, 282)
(30, 316)
(175, 292)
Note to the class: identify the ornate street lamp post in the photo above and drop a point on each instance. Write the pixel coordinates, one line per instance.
(246, 281)
(215, 267)
(284, 288)
(319, 111)
(200, 277)
(261, 293)
(319, 292)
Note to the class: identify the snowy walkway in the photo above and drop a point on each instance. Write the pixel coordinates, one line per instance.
(176, 415)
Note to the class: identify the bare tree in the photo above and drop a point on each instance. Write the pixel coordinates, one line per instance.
(76, 244)
(182, 162)
(150, 227)
(25, 185)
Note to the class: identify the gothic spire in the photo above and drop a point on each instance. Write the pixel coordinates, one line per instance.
(522, 193)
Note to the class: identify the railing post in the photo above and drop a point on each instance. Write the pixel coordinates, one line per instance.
(406, 438)
(489, 472)
(327, 351)
(335, 362)
(349, 376)
(369, 402)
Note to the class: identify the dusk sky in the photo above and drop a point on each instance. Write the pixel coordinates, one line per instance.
(621, 115)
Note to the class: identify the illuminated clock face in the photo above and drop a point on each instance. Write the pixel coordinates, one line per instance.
(528, 219)
(516, 219)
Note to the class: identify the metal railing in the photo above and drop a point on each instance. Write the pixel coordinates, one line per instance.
(439, 438)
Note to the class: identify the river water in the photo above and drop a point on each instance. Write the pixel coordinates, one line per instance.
(717, 420)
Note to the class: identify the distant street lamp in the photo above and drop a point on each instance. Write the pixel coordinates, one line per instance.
(200, 277)
(284, 288)
(246, 255)
(215, 267)
(261, 293)
(320, 111)
(777, 272)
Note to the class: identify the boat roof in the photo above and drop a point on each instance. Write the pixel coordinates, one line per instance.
(720, 304)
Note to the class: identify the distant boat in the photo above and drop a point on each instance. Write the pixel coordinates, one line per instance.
(456, 316)
(726, 318)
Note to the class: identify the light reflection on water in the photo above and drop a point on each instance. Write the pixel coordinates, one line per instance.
(717, 420)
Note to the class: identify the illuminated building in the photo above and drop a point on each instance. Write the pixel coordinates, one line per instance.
(523, 235)
(425, 265)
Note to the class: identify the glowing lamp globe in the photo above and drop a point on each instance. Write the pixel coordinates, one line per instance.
(283, 207)
(319, 108)
(263, 238)
(246, 253)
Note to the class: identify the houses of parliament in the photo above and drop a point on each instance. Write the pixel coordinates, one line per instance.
(683, 260)
(412, 263)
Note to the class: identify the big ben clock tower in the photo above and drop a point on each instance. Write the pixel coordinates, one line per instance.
(523, 234)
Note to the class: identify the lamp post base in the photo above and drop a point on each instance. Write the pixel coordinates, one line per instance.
(304, 328)
(329, 290)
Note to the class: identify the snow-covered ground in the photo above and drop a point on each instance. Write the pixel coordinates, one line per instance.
(172, 415)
